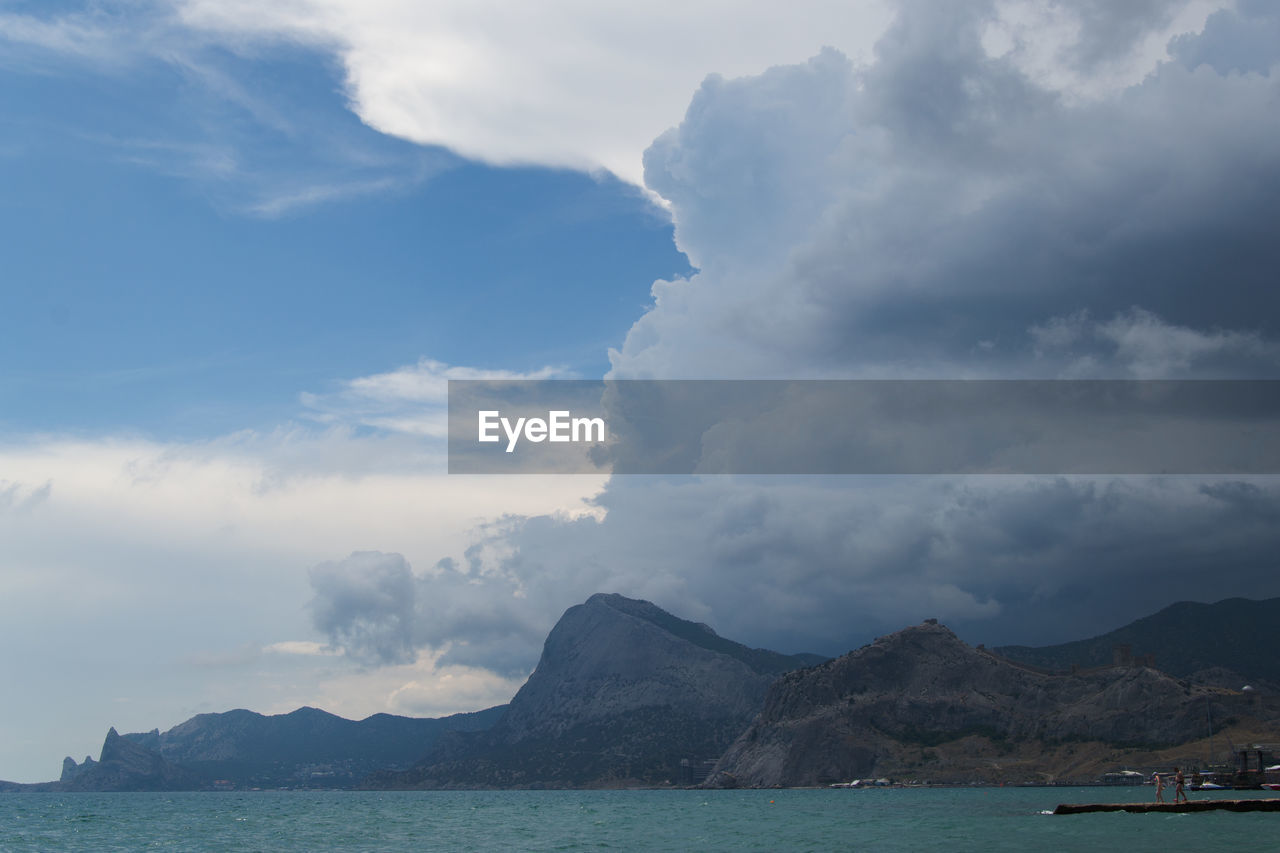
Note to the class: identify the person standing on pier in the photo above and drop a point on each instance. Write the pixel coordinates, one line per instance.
(1159, 787)
(1179, 795)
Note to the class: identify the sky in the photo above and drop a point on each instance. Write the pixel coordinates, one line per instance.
(245, 245)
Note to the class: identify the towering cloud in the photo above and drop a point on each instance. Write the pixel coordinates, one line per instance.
(947, 211)
(934, 213)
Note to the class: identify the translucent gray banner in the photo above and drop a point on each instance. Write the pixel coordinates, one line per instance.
(864, 427)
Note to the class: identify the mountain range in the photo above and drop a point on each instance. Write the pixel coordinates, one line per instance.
(627, 694)
(241, 749)
(1221, 642)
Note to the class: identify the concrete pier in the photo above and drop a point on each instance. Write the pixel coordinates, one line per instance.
(1256, 805)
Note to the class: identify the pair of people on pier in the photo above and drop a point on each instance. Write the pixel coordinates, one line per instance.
(1179, 789)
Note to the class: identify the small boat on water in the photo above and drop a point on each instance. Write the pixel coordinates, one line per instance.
(862, 783)
(1209, 782)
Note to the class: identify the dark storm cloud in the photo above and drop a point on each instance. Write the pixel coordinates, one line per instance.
(365, 605)
(937, 214)
(1020, 210)
(951, 205)
(825, 565)
(970, 222)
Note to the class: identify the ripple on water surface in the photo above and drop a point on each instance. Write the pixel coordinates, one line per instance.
(896, 819)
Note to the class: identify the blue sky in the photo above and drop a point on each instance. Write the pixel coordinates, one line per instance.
(244, 244)
(162, 278)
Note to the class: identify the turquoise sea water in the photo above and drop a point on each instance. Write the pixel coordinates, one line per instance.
(896, 819)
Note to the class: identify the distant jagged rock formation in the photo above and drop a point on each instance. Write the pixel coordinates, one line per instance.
(242, 749)
(70, 769)
(895, 701)
(128, 766)
(624, 693)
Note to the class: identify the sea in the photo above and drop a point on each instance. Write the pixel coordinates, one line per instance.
(952, 819)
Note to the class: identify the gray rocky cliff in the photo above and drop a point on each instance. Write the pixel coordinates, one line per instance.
(70, 769)
(624, 693)
(919, 688)
(612, 655)
(124, 765)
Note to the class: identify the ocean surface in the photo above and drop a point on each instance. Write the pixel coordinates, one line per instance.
(954, 819)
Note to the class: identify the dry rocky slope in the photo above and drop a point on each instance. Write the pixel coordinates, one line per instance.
(624, 694)
(920, 703)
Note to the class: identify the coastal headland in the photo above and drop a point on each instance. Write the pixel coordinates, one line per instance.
(628, 695)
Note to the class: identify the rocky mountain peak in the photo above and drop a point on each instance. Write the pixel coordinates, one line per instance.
(623, 693)
(612, 654)
(880, 707)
